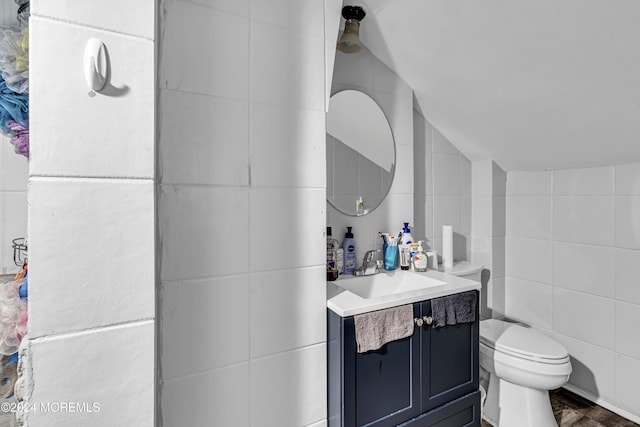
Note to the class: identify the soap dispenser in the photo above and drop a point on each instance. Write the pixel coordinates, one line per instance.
(349, 246)
(420, 258)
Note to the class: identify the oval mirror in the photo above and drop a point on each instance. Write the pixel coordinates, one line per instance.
(361, 154)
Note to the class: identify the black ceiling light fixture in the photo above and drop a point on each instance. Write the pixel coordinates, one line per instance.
(350, 40)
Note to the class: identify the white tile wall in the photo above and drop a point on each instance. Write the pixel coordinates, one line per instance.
(94, 262)
(584, 268)
(289, 389)
(201, 310)
(594, 244)
(226, 403)
(278, 297)
(86, 139)
(584, 219)
(528, 302)
(592, 365)
(627, 376)
(112, 367)
(529, 217)
(242, 216)
(92, 239)
(529, 259)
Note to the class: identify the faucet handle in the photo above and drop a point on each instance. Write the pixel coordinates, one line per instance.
(368, 256)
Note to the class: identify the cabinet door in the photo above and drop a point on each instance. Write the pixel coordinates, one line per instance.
(449, 361)
(381, 387)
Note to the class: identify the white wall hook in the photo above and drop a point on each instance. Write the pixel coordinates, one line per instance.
(95, 65)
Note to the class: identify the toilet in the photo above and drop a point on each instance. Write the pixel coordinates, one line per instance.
(523, 365)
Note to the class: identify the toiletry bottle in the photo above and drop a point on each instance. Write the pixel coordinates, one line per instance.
(420, 259)
(349, 246)
(406, 239)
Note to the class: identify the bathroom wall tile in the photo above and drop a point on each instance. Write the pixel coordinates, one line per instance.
(592, 366)
(498, 257)
(465, 176)
(239, 7)
(585, 317)
(295, 80)
(482, 216)
(584, 268)
(399, 110)
(626, 275)
(528, 302)
(203, 139)
(269, 222)
(529, 216)
(446, 212)
(627, 179)
(216, 398)
(627, 316)
(288, 14)
(446, 174)
(529, 259)
(482, 178)
(584, 219)
(190, 29)
(353, 71)
(403, 178)
(442, 145)
(14, 168)
(332, 14)
(499, 216)
(465, 215)
(100, 269)
(122, 16)
(529, 183)
(287, 310)
(344, 156)
(386, 80)
(287, 147)
(93, 147)
(584, 181)
(294, 379)
(423, 176)
(627, 378)
(13, 225)
(423, 220)
(113, 367)
(185, 215)
(498, 181)
(497, 301)
(627, 222)
(481, 251)
(212, 311)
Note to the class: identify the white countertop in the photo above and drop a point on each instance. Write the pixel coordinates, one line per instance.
(345, 303)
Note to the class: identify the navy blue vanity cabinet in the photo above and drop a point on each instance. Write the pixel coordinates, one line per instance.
(427, 379)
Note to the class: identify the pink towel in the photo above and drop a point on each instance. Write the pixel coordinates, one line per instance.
(375, 329)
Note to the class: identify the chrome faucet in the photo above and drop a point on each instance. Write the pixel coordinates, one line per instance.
(370, 265)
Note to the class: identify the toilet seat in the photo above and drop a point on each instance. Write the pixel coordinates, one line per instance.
(524, 343)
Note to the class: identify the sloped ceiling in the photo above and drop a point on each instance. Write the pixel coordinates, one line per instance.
(533, 85)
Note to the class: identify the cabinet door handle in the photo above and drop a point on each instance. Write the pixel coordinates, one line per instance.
(428, 320)
(418, 321)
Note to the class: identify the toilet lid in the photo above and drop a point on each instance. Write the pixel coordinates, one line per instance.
(521, 342)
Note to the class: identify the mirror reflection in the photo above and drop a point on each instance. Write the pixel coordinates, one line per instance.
(360, 153)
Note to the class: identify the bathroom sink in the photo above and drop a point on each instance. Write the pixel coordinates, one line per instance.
(351, 295)
(384, 284)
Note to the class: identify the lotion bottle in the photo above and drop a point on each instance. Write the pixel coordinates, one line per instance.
(420, 259)
(349, 246)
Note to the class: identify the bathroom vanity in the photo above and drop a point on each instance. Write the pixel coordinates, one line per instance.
(427, 379)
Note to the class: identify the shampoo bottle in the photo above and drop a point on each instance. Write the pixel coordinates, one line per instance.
(349, 246)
